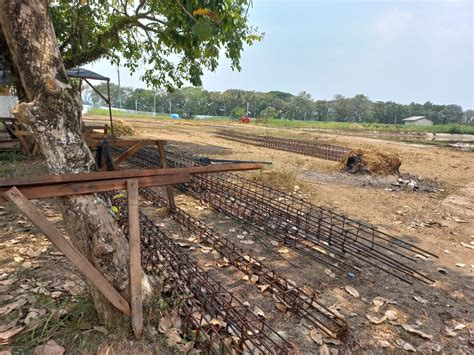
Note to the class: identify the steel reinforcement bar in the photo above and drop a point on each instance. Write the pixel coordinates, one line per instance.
(218, 320)
(311, 148)
(285, 291)
(327, 236)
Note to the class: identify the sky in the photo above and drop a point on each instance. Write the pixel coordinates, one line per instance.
(400, 51)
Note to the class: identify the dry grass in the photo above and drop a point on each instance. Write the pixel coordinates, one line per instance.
(280, 179)
(123, 129)
(370, 161)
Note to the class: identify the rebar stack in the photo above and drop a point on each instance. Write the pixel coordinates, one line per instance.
(285, 291)
(329, 237)
(219, 321)
(311, 148)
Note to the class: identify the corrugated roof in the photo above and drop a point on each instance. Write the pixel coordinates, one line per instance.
(85, 73)
(6, 77)
(414, 118)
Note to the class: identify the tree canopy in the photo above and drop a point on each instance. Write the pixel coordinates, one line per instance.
(276, 104)
(172, 40)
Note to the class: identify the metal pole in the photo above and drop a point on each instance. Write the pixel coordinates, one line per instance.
(110, 107)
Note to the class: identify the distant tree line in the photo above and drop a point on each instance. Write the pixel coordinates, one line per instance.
(191, 101)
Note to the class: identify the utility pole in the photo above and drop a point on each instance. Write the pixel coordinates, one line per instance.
(119, 89)
(136, 104)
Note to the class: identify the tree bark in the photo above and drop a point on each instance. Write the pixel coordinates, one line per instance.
(51, 110)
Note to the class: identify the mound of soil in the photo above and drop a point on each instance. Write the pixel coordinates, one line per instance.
(123, 129)
(368, 161)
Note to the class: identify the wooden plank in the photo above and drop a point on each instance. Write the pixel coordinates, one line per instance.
(92, 143)
(81, 188)
(77, 259)
(132, 173)
(130, 151)
(163, 164)
(135, 258)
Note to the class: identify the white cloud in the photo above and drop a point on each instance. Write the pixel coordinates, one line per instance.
(393, 24)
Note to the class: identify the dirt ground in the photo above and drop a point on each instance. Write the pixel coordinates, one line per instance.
(438, 219)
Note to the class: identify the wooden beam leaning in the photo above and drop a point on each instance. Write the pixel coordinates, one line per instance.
(135, 258)
(77, 259)
(163, 164)
(124, 174)
(81, 188)
(130, 151)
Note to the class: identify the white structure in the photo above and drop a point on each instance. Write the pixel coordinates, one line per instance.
(6, 105)
(418, 120)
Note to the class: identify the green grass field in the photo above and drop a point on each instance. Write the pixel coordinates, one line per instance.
(349, 126)
(118, 113)
(449, 128)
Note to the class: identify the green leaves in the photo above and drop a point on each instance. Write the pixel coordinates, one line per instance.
(174, 41)
(202, 30)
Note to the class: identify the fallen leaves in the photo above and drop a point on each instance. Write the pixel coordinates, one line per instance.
(316, 336)
(420, 299)
(352, 291)
(411, 328)
(7, 336)
(50, 348)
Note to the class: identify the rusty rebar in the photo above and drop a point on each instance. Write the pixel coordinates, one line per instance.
(286, 292)
(216, 318)
(325, 235)
(305, 147)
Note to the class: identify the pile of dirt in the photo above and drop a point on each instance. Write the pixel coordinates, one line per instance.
(122, 129)
(369, 161)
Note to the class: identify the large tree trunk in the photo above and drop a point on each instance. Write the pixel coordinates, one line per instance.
(51, 110)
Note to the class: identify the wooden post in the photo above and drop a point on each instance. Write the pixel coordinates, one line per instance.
(77, 259)
(135, 258)
(169, 188)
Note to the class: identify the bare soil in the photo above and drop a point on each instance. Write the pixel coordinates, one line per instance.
(438, 218)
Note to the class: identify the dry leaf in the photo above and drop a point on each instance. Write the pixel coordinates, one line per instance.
(408, 347)
(247, 242)
(245, 277)
(12, 306)
(329, 273)
(450, 332)
(232, 230)
(421, 300)
(7, 336)
(275, 243)
(352, 291)
(165, 324)
(391, 314)
(240, 236)
(324, 350)
(176, 320)
(254, 279)
(412, 329)
(262, 288)
(173, 337)
(460, 327)
(222, 263)
(217, 323)
(376, 320)
(460, 265)
(378, 302)
(186, 347)
(281, 307)
(8, 282)
(283, 250)
(259, 312)
(50, 348)
(316, 336)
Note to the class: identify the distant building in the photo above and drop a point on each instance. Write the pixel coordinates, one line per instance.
(418, 120)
